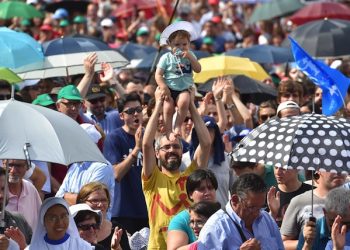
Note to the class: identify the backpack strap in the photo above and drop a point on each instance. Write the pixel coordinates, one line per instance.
(240, 231)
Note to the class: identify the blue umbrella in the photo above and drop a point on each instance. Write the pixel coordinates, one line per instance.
(136, 51)
(264, 54)
(65, 57)
(146, 62)
(18, 49)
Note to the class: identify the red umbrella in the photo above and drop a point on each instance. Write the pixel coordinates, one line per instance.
(131, 5)
(321, 10)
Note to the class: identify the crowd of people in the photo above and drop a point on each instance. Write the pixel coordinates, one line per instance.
(170, 181)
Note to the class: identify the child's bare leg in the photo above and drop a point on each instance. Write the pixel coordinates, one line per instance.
(183, 102)
(168, 112)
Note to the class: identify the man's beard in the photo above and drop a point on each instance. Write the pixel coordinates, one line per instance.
(14, 179)
(172, 165)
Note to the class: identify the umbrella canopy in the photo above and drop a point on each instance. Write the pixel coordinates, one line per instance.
(310, 142)
(134, 5)
(10, 9)
(215, 66)
(250, 90)
(18, 49)
(274, 8)
(49, 135)
(323, 38)
(70, 5)
(320, 10)
(9, 76)
(65, 57)
(264, 54)
(136, 51)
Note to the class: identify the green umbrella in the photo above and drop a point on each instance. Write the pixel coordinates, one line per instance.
(10, 9)
(275, 8)
(8, 75)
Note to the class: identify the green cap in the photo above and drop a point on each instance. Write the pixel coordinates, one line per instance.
(69, 92)
(25, 22)
(142, 31)
(208, 40)
(64, 23)
(79, 19)
(43, 100)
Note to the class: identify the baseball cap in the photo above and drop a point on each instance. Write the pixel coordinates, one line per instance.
(142, 31)
(216, 19)
(69, 92)
(75, 209)
(79, 19)
(95, 91)
(46, 27)
(64, 23)
(107, 22)
(241, 135)
(208, 40)
(287, 105)
(60, 14)
(43, 100)
(213, 2)
(25, 22)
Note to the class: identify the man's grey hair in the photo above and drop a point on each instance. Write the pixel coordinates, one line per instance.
(338, 201)
(159, 139)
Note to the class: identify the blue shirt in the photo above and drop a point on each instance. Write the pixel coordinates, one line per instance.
(347, 243)
(129, 199)
(110, 121)
(82, 173)
(219, 232)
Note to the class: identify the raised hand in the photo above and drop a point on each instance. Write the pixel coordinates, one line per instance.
(107, 72)
(89, 63)
(273, 201)
(338, 234)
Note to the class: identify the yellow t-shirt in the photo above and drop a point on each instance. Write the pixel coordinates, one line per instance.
(165, 197)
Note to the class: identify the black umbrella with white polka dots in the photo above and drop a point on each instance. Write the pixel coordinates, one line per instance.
(309, 141)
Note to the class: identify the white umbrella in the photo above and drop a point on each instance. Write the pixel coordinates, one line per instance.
(48, 135)
(69, 64)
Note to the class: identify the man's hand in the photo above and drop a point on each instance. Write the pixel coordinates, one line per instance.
(89, 63)
(115, 242)
(16, 234)
(218, 87)
(4, 242)
(251, 244)
(107, 72)
(309, 233)
(273, 201)
(159, 95)
(338, 234)
(138, 138)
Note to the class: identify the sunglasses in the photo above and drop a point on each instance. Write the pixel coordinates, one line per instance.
(132, 111)
(265, 117)
(87, 227)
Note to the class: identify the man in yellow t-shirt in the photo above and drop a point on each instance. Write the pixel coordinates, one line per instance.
(163, 185)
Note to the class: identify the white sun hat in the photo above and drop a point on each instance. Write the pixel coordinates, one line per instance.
(182, 25)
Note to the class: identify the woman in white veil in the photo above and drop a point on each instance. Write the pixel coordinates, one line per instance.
(56, 229)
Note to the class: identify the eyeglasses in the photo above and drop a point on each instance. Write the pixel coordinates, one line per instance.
(57, 218)
(16, 165)
(72, 104)
(167, 147)
(87, 227)
(97, 202)
(132, 111)
(94, 101)
(5, 96)
(267, 116)
(198, 223)
(250, 209)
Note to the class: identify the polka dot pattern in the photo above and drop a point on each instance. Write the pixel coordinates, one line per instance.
(310, 141)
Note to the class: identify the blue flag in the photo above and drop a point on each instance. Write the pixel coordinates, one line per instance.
(333, 83)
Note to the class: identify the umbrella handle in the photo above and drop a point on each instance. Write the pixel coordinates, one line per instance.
(2, 215)
(26, 153)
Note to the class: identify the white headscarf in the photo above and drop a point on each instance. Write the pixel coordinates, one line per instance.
(38, 241)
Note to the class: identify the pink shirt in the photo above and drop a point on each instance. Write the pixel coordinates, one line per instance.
(28, 203)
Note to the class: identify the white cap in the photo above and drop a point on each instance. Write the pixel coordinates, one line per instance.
(75, 209)
(107, 22)
(287, 105)
(32, 1)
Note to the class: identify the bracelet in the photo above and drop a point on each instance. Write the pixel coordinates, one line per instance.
(230, 106)
(217, 98)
